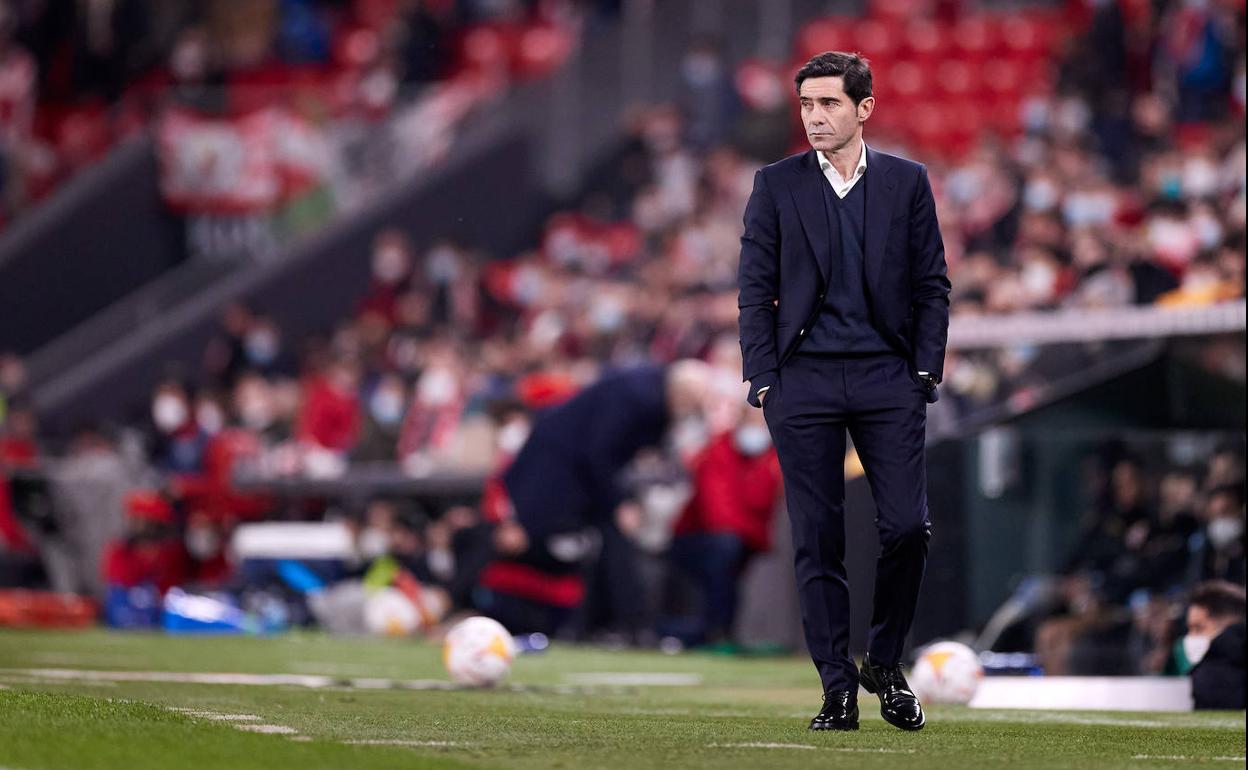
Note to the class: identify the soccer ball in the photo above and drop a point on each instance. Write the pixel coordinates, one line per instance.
(390, 613)
(478, 652)
(946, 672)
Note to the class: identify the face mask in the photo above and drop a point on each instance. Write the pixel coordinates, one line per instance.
(1224, 531)
(386, 407)
(443, 265)
(1088, 209)
(607, 316)
(441, 562)
(751, 440)
(1195, 648)
(437, 387)
(1208, 230)
(1039, 279)
(169, 413)
(373, 543)
(512, 436)
(202, 543)
(209, 418)
(260, 347)
(1040, 195)
(526, 286)
(1200, 178)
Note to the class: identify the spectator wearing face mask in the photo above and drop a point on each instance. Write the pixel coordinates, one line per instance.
(736, 485)
(382, 420)
(392, 275)
(1214, 645)
(149, 553)
(178, 443)
(262, 347)
(330, 418)
(204, 541)
(1222, 556)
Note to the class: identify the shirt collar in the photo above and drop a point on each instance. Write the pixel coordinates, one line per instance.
(825, 165)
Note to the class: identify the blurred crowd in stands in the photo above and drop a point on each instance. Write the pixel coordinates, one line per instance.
(1161, 520)
(1120, 183)
(78, 77)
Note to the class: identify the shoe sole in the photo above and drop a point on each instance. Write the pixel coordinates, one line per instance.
(834, 729)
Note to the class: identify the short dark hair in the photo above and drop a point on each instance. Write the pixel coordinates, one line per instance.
(1220, 598)
(852, 68)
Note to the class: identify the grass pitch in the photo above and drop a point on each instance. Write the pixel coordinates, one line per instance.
(101, 700)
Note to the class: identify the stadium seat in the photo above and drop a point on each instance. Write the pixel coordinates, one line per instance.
(826, 34)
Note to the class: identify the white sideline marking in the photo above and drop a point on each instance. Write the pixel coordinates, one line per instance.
(300, 738)
(637, 678)
(397, 742)
(267, 729)
(760, 746)
(175, 676)
(842, 749)
(111, 678)
(1182, 758)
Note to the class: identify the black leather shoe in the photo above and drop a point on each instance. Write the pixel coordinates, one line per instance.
(839, 712)
(898, 704)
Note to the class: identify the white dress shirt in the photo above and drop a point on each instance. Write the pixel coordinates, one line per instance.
(840, 185)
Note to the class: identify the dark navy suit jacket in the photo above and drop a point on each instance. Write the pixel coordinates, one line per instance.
(565, 477)
(786, 251)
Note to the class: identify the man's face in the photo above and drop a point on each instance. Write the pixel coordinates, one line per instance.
(1201, 623)
(830, 117)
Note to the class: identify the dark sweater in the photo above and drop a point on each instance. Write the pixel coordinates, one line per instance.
(844, 321)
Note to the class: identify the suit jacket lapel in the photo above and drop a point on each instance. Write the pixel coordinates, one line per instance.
(807, 192)
(879, 213)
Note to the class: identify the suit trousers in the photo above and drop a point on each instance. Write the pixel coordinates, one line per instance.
(883, 404)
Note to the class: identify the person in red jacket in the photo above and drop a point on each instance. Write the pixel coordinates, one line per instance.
(149, 553)
(736, 486)
(330, 417)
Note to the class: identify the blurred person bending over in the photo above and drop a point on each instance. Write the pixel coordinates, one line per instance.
(564, 489)
(844, 316)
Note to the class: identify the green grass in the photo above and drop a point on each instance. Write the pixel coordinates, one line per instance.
(551, 719)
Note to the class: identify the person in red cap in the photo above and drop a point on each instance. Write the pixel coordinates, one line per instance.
(149, 553)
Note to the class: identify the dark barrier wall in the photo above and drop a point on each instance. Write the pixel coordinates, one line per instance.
(101, 237)
(487, 200)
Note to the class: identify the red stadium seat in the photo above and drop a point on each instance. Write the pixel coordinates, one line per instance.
(978, 37)
(898, 10)
(826, 34)
(1028, 35)
(906, 81)
(1002, 76)
(878, 41)
(957, 79)
(926, 40)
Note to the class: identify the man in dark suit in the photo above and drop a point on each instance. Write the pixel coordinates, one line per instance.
(844, 314)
